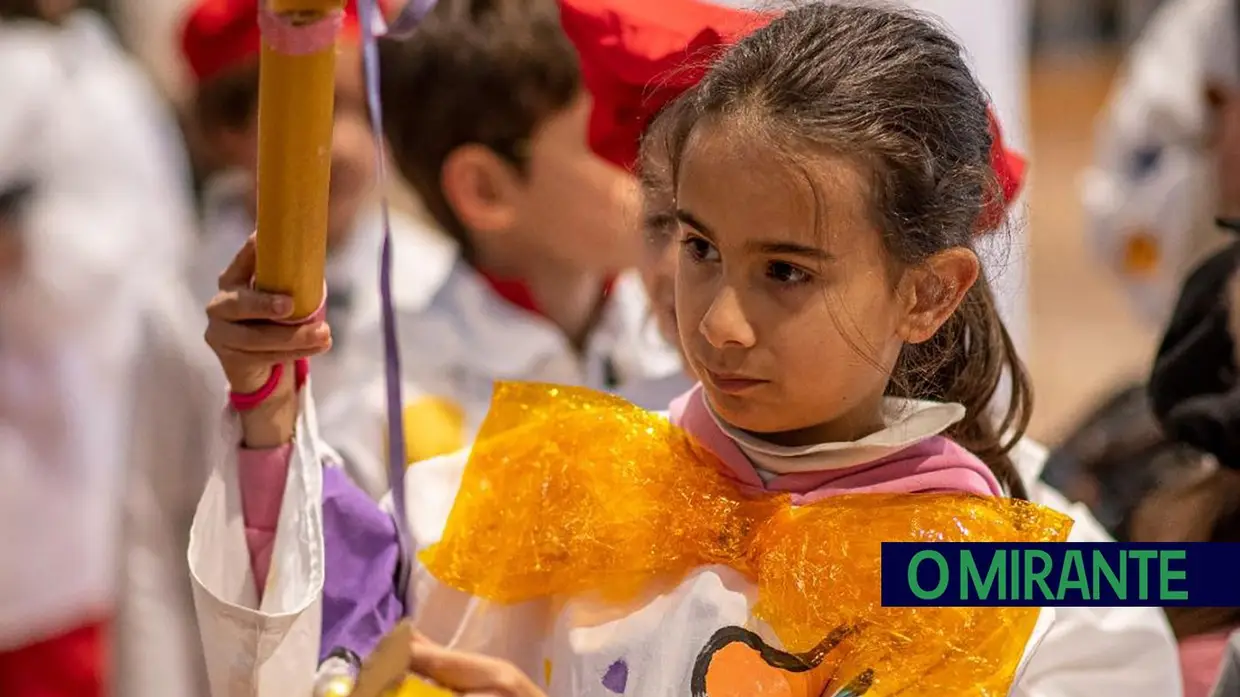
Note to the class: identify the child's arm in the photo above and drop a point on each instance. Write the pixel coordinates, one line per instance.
(261, 625)
(272, 516)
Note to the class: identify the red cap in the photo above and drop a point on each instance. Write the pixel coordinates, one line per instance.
(639, 55)
(219, 35)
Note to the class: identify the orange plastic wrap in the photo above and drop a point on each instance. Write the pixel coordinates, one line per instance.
(570, 491)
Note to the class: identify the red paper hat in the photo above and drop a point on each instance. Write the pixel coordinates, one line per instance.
(219, 35)
(639, 55)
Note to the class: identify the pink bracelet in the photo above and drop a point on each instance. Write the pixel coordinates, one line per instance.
(246, 401)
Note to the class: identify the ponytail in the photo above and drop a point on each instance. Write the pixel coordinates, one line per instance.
(964, 362)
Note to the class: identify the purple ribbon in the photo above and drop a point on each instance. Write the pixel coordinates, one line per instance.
(374, 26)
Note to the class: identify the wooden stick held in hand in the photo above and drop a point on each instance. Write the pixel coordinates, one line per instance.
(297, 76)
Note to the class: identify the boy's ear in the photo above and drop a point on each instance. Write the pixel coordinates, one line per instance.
(481, 187)
(933, 290)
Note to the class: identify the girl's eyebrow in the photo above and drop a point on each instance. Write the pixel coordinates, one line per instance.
(760, 246)
(691, 220)
(780, 247)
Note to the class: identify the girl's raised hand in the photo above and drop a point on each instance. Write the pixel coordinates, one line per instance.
(245, 332)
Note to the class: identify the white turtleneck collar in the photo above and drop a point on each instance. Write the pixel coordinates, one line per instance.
(908, 422)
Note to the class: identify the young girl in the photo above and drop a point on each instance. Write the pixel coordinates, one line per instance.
(1129, 650)
(830, 171)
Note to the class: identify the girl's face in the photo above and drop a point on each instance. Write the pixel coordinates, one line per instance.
(784, 300)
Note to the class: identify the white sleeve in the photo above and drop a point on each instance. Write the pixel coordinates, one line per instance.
(269, 649)
(1151, 171)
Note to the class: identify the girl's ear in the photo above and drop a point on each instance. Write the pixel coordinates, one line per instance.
(933, 290)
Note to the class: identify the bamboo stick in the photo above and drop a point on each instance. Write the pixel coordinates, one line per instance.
(295, 119)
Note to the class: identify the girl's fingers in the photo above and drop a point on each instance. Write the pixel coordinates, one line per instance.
(241, 270)
(469, 673)
(244, 305)
(269, 338)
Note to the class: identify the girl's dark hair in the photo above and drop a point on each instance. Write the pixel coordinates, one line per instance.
(889, 90)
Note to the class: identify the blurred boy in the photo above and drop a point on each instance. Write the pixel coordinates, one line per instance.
(489, 121)
(95, 508)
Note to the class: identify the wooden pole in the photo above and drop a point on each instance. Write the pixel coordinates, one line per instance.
(295, 117)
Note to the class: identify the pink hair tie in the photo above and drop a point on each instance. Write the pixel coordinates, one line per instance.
(294, 39)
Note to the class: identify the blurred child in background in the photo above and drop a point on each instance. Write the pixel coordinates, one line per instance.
(100, 383)
(528, 281)
(1194, 394)
(1149, 192)
(1206, 509)
(1117, 456)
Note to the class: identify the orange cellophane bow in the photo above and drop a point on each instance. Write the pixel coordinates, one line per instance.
(568, 491)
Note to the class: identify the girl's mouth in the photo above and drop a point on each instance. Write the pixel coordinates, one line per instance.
(732, 383)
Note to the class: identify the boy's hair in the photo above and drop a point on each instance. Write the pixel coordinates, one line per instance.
(486, 72)
(890, 90)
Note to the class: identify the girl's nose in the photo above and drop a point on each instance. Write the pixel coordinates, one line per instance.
(725, 324)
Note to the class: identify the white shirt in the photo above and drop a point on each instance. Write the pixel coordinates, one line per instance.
(458, 336)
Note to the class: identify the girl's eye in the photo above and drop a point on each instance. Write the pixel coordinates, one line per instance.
(787, 274)
(700, 250)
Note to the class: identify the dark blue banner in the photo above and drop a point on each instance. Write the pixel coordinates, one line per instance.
(1064, 574)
